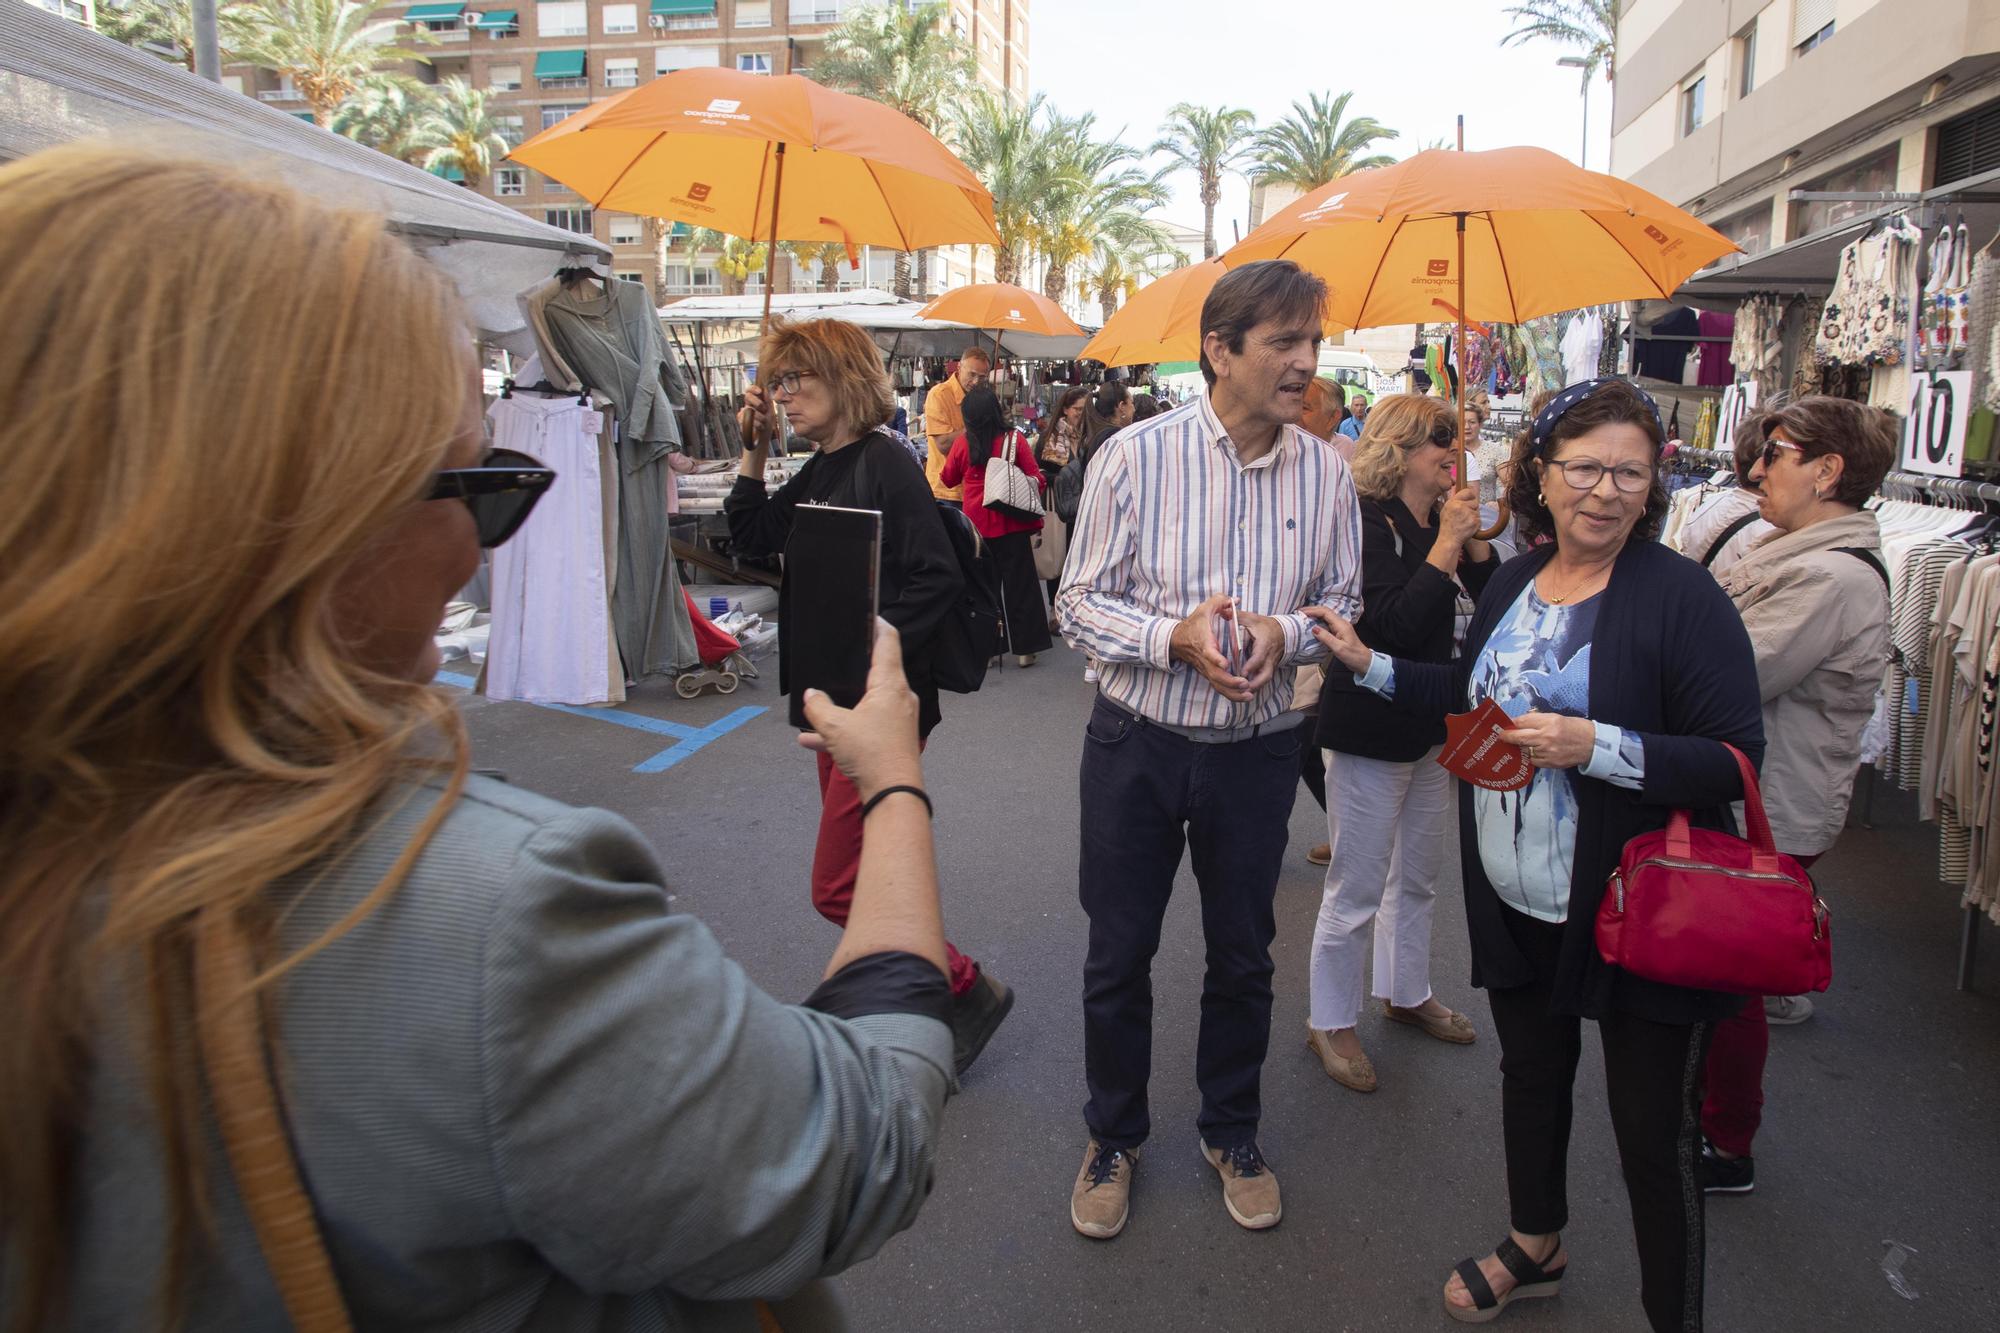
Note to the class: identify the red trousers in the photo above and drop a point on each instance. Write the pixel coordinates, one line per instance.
(1734, 1106)
(837, 860)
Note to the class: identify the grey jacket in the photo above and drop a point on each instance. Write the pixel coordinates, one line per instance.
(527, 1094)
(1819, 621)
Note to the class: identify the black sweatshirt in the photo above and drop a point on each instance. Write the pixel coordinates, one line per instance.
(920, 575)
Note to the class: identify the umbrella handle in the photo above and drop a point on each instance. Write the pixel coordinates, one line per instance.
(1499, 524)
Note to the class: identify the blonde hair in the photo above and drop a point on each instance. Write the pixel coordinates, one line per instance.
(217, 393)
(1398, 424)
(839, 353)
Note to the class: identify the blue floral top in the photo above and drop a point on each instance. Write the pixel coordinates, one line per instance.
(1537, 661)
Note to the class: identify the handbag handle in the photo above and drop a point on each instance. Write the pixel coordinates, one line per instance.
(1763, 850)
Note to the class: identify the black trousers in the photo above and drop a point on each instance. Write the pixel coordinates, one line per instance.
(1020, 593)
(1147, 794)
(1653, 1073)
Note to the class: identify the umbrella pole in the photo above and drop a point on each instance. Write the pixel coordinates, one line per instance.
(771, 249)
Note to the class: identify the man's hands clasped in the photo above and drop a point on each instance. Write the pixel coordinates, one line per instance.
(1263, 639)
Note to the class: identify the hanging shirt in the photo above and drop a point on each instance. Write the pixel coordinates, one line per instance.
(1581, 343)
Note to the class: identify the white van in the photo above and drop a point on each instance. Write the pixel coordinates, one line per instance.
(1350, 368)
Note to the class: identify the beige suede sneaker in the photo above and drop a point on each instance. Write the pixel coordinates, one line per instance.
(1101, 1200)
(1249, 1190)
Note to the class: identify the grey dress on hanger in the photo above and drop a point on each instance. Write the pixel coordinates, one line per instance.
(612, 340)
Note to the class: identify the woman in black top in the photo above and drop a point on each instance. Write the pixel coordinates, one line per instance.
(828, 377)
(1386, 797)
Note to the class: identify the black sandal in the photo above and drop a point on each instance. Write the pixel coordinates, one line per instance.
(1530, 1279)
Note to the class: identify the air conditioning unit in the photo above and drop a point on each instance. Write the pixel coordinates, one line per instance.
(656, 20)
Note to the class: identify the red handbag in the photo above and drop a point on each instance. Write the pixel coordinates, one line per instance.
(1694, 907)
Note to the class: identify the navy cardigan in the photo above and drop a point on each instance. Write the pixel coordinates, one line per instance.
(1671, 661)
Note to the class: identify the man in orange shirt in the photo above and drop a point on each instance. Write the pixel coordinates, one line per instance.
(944, 420)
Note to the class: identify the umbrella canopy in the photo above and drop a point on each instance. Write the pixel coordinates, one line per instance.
(1540, 235)
(1002, 305)
(762, 156)
(1162, 321)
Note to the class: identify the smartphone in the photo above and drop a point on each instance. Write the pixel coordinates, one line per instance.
(833, 568)
(1228, 637)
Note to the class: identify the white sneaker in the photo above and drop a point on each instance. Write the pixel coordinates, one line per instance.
(1090, 675)
(1785, 1010)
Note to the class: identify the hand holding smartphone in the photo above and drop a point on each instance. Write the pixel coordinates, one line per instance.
(833, 567)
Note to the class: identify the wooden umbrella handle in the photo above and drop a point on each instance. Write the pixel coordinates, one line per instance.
(1499, 524)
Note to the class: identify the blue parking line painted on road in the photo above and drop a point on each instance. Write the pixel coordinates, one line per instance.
(687, 740)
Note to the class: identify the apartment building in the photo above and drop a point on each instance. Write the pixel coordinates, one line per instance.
(1771, 120)
(547, 60)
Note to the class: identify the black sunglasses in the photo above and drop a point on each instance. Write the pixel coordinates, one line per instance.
(501, 492)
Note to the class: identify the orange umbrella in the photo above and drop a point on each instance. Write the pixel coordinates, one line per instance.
(1002, 306)
(1506, 234)
(767, 157)
(1162, 321)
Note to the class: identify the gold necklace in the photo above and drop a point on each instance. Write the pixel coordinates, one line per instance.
(1570, 591)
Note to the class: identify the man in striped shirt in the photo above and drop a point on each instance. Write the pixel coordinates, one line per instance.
(1201, 535)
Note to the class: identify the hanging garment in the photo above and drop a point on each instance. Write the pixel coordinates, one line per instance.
(611, 339)
(1660, 359)
(1581, 343)
(551, 639)
(1983, 329)
(1716, 367)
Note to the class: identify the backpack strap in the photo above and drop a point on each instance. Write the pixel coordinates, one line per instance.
(1722, 538)
(1868, 558)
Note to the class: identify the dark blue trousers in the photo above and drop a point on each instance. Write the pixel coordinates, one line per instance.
(1148, 794)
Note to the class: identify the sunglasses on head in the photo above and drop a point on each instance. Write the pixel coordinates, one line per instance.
(500, 492)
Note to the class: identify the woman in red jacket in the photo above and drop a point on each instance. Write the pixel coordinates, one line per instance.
(1007, 537)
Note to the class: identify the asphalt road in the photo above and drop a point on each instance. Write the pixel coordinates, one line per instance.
(1882, 1121)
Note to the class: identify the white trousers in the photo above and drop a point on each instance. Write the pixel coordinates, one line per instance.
(1388, 826)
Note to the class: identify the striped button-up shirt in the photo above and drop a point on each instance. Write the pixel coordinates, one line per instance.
(1171, 516)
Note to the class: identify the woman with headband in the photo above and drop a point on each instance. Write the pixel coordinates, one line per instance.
(1628, 674)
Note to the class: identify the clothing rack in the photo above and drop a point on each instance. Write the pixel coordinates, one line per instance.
(1708, 458)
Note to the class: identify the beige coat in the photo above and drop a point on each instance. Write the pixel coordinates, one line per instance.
(1819, 621)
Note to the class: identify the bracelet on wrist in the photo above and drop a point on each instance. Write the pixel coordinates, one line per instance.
(868, 806)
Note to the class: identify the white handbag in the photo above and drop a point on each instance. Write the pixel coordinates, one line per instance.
(1009, 490)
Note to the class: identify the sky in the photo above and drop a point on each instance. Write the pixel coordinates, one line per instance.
(1414, 67)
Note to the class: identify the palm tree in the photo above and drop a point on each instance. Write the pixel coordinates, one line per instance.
(1590, 26)
(736, 257)
(1095, 196)
(166, 27)
(1317, 144)
(459, 132)
(1114, 274)
(1210, 143)
(905, 59)
(327, 47)
(385, 115)
(1005, 145)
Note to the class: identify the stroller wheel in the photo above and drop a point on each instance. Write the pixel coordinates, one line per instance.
(728, 683)
(687, 687)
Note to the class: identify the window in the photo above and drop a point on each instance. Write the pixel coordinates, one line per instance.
(1812, 23)
(498, 23)
(1815, 41)
(511, 129)
(639, 278)
(628, 231)
(556, 113)
(503, 78)
(753, 13)
(1870, 175)
(1691, 96)
(621, 72)
(815, 11)
(550, 185)
(1969, 145)
(684, 13)
(563, 18)
(621, 18)
(754, 62)
(569, 219)
(1746, 51)
(510, 182)
(1751, 229)
(667, 59)
(233, 82)
(685, 280)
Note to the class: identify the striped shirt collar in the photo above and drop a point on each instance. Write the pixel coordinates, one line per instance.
(1217, 434)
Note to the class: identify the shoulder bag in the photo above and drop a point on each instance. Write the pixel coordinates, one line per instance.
(1699, 908)
(1010, 491)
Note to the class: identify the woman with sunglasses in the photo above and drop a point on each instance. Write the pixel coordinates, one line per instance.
(1628, 676)
(301, 1013)
(1385, 793)
(1814, 595)
(827, 377)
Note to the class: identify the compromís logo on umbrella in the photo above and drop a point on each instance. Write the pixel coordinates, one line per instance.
(1438, 268)
(1333, 204)
(698, 191)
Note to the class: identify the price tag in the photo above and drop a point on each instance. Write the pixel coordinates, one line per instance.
(1474, 751)
(1934, 432)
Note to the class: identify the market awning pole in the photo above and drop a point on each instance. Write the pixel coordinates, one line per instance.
(771, 250)
(207, 47)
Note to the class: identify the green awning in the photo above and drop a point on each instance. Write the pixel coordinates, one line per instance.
(1177, 368)
(434, 13)
(497, 18)
(449, 172)
(559, 65)
(683, 6)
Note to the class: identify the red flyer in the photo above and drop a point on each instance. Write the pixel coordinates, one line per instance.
(1474, 751)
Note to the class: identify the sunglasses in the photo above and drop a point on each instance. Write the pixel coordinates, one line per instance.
(1771, 448)
(501, 492)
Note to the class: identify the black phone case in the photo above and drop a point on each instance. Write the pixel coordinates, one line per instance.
(833, 564)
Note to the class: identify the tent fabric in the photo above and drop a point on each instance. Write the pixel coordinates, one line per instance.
(60, 81)
(894, 324)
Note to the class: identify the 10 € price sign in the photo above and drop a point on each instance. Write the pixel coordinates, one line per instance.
(1934, 432)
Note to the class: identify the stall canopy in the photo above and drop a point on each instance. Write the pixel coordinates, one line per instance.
(59, 81)
(731, 321)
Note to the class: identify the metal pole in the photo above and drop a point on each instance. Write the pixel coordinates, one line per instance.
(1583, 155)
(207, 47)
(771, 251)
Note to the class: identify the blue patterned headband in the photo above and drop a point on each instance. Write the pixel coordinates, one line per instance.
(1559, 406)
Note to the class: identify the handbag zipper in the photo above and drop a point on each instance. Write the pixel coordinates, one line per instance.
(1821, 912)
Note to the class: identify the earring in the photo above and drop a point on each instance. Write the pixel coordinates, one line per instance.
(1543, 496)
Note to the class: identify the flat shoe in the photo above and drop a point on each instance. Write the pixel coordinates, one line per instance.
(1357, 1073)
(1321, 854)
(1455, 1028)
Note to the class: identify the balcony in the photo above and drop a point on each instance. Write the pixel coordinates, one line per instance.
(819, 12)
(278, 95)
(563, 83)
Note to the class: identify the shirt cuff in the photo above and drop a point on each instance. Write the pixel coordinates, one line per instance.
(885, 983)
(1156, 642)
(1379, 677)
(1616, 757)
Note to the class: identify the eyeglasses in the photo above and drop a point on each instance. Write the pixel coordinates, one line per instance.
(790, 380)
(1583, 474)
(500, 492)
(1771, 448)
